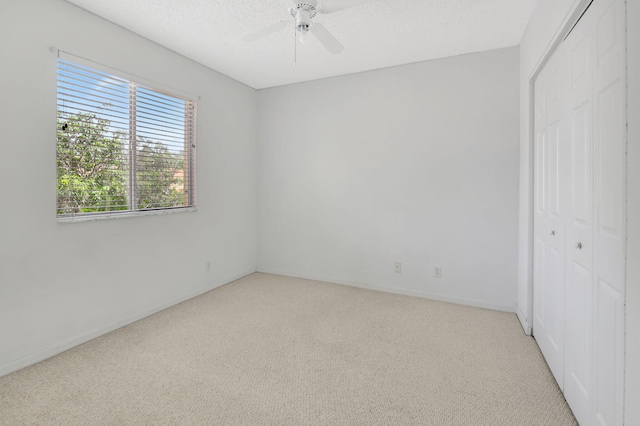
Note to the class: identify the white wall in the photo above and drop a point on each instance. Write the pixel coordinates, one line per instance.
(61, 284)
(546, 24)
(417, 164)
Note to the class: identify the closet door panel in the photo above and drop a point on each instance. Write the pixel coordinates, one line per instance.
(540, 251)
(554, 299)
(609, 230)
(579, 297)
(611, 152)
(549, 226)
(610, 365)
(581, 159)
(555, 220)
(579, 386)
(540, 210)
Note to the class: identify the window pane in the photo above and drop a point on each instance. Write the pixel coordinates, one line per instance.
(160, 136)
(92, 140)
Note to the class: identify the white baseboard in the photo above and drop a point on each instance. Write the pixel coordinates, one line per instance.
(85, 337)
(523, 321)
(425, 295)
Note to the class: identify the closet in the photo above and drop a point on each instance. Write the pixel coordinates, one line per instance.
(579, 213)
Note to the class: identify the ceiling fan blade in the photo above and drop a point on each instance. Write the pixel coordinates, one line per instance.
(266, 31)
(330, 6)
(326, 39)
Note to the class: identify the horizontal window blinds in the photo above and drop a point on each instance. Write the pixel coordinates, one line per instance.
(121, 146)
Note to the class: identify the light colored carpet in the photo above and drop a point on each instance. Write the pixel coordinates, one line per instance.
(271, 350)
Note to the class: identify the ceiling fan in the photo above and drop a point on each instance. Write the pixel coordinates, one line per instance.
(303, 12)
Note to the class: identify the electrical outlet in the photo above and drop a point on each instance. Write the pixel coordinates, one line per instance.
(207, 266)
(397, 267)
(437, 271)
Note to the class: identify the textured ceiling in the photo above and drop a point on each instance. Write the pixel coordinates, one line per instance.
(376, 34)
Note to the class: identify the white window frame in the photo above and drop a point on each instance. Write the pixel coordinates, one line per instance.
(190, 147)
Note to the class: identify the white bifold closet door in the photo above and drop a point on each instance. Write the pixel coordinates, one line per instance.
(551, 206)
(579, 220)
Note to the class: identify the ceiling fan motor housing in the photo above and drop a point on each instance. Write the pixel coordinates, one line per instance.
(303, 12)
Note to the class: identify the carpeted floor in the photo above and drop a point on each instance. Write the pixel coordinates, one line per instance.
(271, 350)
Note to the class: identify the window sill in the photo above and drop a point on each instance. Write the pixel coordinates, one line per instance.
(108, 216)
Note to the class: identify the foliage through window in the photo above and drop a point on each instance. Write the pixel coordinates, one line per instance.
(121, 146)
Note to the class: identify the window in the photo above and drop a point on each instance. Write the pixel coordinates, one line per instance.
(122, 146)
